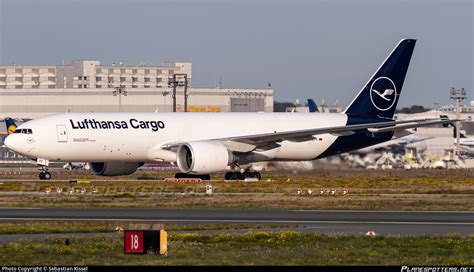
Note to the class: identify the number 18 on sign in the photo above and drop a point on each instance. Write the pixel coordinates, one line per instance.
(134, 242)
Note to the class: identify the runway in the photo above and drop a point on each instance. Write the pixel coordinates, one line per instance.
(324, 221)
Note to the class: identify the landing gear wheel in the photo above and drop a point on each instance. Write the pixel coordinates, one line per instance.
(242, 176)
(237, 176)
(233, 176)
(47, 175)
(251, 175)
(248, 175)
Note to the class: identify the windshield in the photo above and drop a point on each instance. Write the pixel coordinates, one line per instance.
(24, 131)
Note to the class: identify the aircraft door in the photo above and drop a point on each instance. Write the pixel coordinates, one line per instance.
(62, 133)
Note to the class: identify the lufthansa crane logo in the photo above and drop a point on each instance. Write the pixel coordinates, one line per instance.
(11, 129)
(383, 93)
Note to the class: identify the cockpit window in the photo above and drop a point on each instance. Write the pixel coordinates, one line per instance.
(24, 131)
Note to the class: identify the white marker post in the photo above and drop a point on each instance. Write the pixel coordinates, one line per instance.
(209, 189)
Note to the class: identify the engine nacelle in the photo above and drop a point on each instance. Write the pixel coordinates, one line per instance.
(114, 168)
(203, 157)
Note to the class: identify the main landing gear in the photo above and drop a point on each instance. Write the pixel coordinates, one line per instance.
(44, 174)
(242, 176)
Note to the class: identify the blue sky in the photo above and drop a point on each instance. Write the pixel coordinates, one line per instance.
(320, 49)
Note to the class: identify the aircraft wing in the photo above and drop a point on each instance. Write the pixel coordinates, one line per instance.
(246, 143)
(411, 125)
(379, 127)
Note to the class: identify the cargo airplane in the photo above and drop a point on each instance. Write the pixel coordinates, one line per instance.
(205, 143)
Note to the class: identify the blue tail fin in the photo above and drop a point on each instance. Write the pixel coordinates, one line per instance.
(11, 126)
(312, 106)
(445, 117)
(379, 97)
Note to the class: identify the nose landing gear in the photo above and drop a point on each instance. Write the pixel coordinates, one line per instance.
(43, 163)
(44, 174)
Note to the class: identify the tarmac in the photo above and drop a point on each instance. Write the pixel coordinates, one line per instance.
(321, 221)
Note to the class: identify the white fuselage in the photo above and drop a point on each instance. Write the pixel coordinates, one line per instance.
(139, 137)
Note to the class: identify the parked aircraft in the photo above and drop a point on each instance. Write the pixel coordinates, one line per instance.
(466, 143)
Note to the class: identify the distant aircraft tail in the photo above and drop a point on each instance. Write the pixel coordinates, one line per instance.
(312, 106)
(379, 97)
(445, 117)
(11, 126)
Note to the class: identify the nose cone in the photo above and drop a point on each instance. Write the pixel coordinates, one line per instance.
(8, 142)
(13, 143)
(16, 143)
(20, 144)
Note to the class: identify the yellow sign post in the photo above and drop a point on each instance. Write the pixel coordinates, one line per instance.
(163, 242)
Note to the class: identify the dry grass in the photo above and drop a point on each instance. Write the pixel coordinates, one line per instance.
(255, 248)
(384, 190)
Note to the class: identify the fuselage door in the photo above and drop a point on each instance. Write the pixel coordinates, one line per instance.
(62, 133)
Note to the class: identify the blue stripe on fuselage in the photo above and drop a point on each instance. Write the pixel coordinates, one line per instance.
(360, 139)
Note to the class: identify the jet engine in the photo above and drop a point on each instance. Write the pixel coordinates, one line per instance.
(114, 168)
(203, 157)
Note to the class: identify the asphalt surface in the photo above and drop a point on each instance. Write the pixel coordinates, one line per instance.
(347, 222)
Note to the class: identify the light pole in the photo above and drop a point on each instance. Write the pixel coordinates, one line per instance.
(173, 82)
(458, 95)
(120, 91)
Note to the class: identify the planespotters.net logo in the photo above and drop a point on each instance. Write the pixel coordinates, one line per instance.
(437, 269)
(383, 93)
